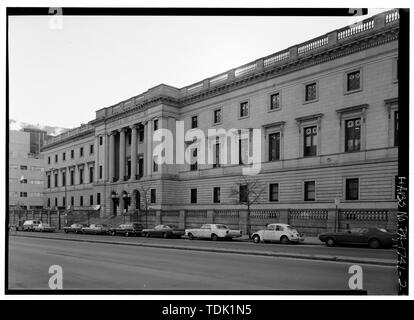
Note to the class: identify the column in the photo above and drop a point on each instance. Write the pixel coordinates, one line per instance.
(121, 154)
(133, 152)
(149, 147)
(96, 168)
(112, 156)
(145, 149)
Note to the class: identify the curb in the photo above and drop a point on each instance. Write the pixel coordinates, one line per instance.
(234, 251)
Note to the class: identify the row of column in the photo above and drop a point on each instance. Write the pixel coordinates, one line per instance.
(134, 152)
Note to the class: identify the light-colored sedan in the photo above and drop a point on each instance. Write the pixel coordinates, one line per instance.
(44, 227)
(96, 229)
(278, 232)
(213, 232)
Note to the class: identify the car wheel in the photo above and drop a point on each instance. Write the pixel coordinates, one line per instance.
(284, 240)
(190, 236)
(214, 237)
(126, 234)
(330, 242)
(374, 243)
(66, 231)
(165, 235)
(256, 239)
(147, 235)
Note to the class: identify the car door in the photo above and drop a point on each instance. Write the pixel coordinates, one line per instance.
(205, 231)
(270, 233)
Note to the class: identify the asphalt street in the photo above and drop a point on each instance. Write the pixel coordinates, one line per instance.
(315, 249)
(104, 266)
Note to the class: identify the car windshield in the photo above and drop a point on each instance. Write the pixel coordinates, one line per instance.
(358, 230)
(290, 228)
(159, 227)
(221, 226)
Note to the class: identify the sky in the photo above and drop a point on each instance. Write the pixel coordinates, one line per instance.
(61, 76)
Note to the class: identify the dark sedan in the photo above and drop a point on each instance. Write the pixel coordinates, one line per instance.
(163, 230)
(373, 237)
(128, 229)
(75, 228)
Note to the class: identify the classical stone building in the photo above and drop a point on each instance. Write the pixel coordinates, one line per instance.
(328, 114)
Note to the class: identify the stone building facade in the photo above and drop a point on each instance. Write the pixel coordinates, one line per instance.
(328, 114)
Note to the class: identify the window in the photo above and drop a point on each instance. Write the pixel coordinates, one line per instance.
(396, 128)
(141, 166)
(243, 193)
(217, 116)
(23, 167)
(56, 179)
(141, 135)
(91, 149)
(244, 109)
(274, 192)
(153, 196)
(275, 101)
(81, 201)
(98, 198)
(194, 164)
(100, 140)
(64, 178)
(81, 152)
(155, 165)
(23, 194)
(72, 177)
(216, 195)
(100, 172)
(353, 135)
(243, 150)
(72, 201)
(56, 202)
(91, 169)
(48, 160)
(129, 139)
(310, 141)
(129, 167)
(64, 156)
(311, 92)
(353, 81)
(352, 189)
(310, 191)
(48, 180)
(72, 154)
(48, 202)
(193, 195)
(155, 124)
(23, 181)
(194, 122)
(91, 200)
(64, 201)
(274, 146)
(56, 158)
(80, 176)
(216, 163)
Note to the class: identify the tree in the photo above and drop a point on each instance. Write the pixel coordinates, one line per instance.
(248, 193)
(146, 195)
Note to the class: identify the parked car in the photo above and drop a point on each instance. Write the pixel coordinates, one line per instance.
(279, 232)
(28, 225)
(44, 227)
(164, 230)
(373, 237)
(75, 228)
(128, 229)
(96, 229)
(213, 232)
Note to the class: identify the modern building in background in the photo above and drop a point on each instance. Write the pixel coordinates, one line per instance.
(327, 110)
(26, 168)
